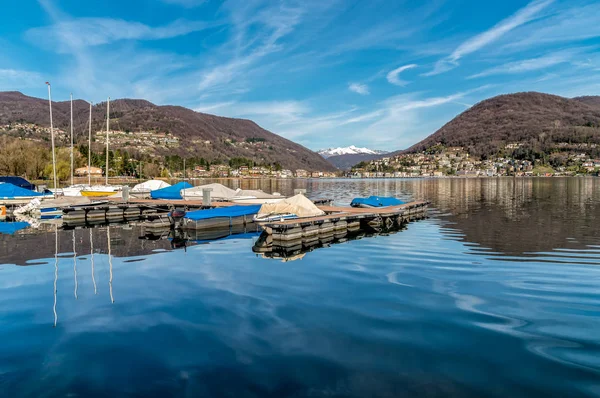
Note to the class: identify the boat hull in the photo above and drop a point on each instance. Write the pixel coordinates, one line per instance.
(97, 193)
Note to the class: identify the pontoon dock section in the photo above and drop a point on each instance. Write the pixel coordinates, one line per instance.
(338, 219)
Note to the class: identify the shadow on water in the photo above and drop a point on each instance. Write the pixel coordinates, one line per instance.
(266, 246)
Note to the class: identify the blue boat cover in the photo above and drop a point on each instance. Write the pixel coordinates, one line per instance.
(233, 211)
(376, 201)
(10, 191)
(172, 192)
(9, 228)
(18, 181)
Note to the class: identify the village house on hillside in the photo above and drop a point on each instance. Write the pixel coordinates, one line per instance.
(83, 171)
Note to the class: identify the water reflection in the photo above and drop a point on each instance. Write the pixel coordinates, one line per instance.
(75, 265)
(92, 261)
(55, 273)
(445, 307)
(506, 215)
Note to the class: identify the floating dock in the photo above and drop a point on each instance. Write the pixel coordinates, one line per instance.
(341, 219)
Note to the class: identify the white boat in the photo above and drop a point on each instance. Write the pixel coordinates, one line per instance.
(143, 190)
(275, 217)
(221, 193)
(101, 190)
(256, 197)
(73, 190)
(52, 208)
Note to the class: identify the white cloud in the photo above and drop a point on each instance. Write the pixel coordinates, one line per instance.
(363, 118)
(359, 88)
(564, 25)
(406, 103)
(84, 32)
(393, 78)
(12, 79)
(214, 108)
(523, 16)
(277, 111)
(185, 3)
(268, 25)
(526, 65)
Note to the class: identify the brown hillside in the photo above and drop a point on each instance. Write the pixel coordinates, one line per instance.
(228, 137)
(538, 121)
(593, 100)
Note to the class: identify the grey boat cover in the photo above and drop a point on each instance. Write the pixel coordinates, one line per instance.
(219, 191)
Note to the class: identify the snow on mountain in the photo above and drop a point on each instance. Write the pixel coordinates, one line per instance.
(350, 150)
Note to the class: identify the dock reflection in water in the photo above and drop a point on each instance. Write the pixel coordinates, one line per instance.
(495, 294)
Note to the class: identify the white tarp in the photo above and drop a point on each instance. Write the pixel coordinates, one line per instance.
(219, 191)
(299, 205)
(150, 185)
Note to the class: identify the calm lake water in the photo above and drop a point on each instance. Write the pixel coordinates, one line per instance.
(496, 294)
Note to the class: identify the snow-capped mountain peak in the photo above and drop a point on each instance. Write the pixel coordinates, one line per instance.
(350, 150)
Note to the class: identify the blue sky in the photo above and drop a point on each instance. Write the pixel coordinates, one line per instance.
(382, 74)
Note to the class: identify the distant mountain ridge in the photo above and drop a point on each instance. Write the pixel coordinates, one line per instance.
(345, 162)
(349, 150)
(537, 122)
(194, 134)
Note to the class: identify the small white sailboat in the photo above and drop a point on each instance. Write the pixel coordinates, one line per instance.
(106, 189)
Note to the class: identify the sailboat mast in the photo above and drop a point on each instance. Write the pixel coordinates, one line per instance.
(107, 127)
(90, 149)
(52, 136)
(71, 138)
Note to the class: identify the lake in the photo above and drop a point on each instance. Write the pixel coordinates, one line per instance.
(495, 294)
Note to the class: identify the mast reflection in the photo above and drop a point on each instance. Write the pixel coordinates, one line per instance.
(55, 272)
(75, 265)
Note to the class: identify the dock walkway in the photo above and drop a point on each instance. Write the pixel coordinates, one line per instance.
(335, 214)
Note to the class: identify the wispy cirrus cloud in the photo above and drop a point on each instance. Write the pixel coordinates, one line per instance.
(523, 16)
(268, 24)
(393, 78)
(359, 88)
(12, 79)
(84, 32)
(278, 112)
(364, 117)
(526, 65)
(566, 24)
(186, 3)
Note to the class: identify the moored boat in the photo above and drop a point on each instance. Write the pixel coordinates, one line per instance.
(221, 193)
(288, 209)
(144, 189)
(376, 201)
(12, 195)
(73, 190)
(100, 190)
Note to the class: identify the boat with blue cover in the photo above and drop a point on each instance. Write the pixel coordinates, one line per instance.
(17, 181)
(376, 201)
(221, 217)
(172, 192)
(13, 195)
